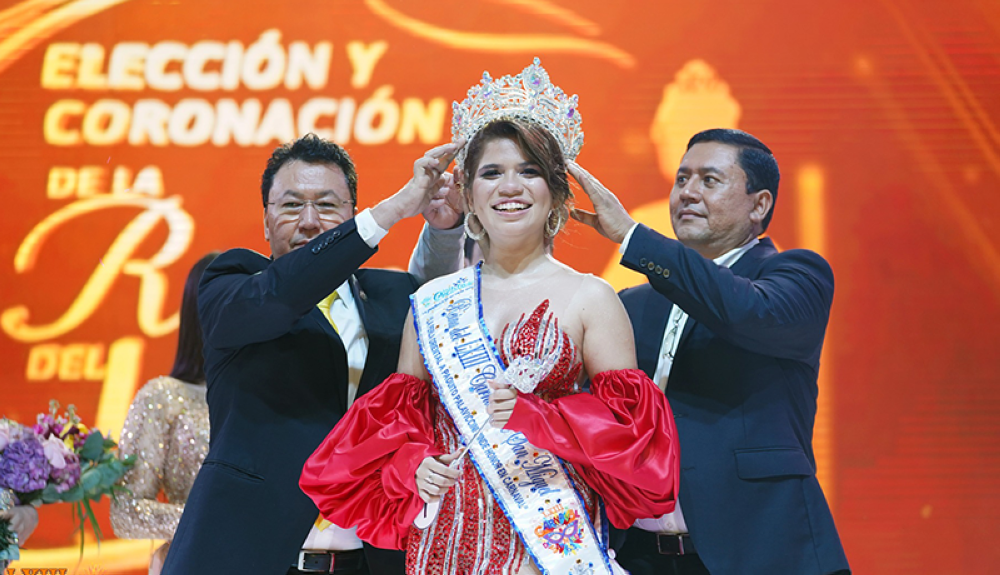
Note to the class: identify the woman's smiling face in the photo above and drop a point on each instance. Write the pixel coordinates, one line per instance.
(509, 193)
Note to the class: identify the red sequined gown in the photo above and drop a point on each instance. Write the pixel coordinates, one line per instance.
(619, 442)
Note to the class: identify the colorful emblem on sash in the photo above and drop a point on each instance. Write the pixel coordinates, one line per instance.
(560, 530)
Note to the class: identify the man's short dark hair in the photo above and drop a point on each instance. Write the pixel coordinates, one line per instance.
(313, 150)
(756, 161)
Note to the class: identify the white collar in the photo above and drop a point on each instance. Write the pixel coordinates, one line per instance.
(344, 293)
(732, 256)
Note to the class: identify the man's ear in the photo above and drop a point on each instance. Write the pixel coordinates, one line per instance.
(267, 233)
(762, 202)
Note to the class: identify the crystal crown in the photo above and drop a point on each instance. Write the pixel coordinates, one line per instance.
(529, 96)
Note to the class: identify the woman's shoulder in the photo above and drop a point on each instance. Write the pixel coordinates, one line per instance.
(160, 385)
(584, 284)
(164, 392)
(594, 288)
(588, 291)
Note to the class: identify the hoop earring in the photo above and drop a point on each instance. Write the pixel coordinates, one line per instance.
(474, 236)
(552, 230)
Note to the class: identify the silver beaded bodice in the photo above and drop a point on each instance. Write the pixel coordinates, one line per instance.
(167, 430)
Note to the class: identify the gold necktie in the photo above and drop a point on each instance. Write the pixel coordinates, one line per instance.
(324, 306)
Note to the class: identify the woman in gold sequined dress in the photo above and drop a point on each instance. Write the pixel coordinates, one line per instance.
(167, 430)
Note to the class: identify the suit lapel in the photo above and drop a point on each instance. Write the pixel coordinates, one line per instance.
(361, 298)
(378, 331)
(744, 267)
(688, 328)
(653, 315)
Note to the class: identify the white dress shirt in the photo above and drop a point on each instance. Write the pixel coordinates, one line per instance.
(344, 313)
(673, 522)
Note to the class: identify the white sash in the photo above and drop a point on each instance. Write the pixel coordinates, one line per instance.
(529, 483)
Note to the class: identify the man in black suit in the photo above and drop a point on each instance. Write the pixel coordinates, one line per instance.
(732, 330)
(290, 341)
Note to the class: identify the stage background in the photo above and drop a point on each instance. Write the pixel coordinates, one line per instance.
(134, 133)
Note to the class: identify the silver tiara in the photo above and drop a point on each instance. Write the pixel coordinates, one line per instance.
(529, 96)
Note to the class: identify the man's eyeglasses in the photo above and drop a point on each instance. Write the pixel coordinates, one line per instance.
(293, 208)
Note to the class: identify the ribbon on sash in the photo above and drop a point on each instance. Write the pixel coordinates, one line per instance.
(530, 484)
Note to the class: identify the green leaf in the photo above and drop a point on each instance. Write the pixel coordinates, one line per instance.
(115, 466)
(50, 495)
(78, 516)
(90, 479)
(93, 521)
(93, 447)
(73, 495)
(110, 474)
(29, 496)
(105, 476)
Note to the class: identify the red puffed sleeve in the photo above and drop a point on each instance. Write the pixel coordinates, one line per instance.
(621, 437)
(363, 473)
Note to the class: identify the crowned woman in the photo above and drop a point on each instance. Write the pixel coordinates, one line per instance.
(482, 454)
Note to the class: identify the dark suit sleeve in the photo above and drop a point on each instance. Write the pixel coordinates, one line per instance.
(781, 312)
(245, 298)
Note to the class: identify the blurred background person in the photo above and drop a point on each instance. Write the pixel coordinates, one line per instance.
(23, 520)
(167, 430)
(697, 99)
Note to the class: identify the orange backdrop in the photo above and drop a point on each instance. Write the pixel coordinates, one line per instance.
(135, 131)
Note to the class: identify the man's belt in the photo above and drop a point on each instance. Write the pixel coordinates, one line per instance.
(675, 544)
(331, 561)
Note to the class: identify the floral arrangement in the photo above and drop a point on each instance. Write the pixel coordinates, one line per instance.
(57, 460)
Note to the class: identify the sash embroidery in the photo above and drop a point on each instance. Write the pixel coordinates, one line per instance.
(529, 484)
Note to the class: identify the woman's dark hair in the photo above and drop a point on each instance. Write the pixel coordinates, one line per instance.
(538, 145)
(189, 363)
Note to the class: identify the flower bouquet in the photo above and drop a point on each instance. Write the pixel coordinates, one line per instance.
(57, 460)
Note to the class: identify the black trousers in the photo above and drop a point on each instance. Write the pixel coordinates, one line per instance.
(640, 556)
(385, 561)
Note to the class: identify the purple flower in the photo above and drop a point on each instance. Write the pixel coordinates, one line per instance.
(23, 466)
(7, 427)
(48, 425)
(67, 477)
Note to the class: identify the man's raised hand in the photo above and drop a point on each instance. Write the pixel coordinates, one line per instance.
(609, 218)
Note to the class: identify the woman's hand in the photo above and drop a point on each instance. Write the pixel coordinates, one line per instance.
(23, 520)
(434, 478)
(502, 402)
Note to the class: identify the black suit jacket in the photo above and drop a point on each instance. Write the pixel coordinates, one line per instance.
(277, 384)
(743, 390)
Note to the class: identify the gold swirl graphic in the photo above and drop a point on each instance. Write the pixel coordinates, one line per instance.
(558, 14)
(511, 43)
(25, 25)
